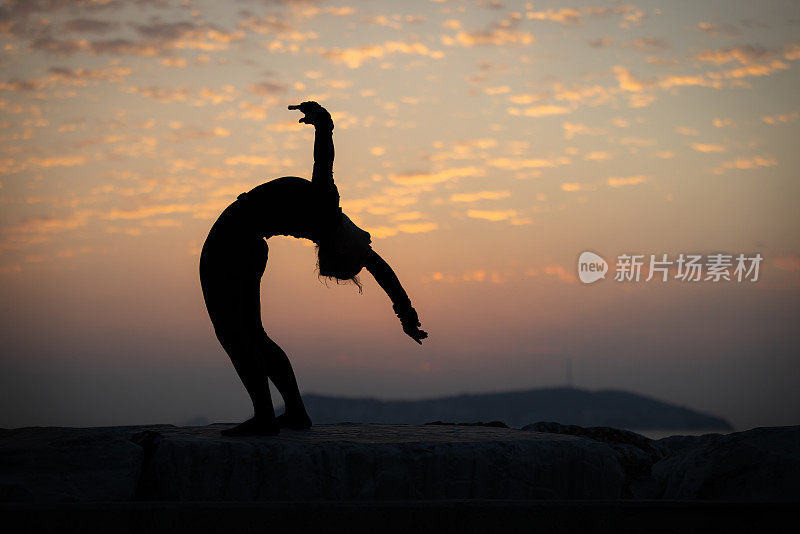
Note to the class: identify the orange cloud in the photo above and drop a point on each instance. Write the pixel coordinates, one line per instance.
(479, 195)
(640, 100)
(253, 111)
(445, 175)
(258, 161)
(80, 77)
(781, 118)
(697, 80)
(750, 163)
(408, 216)
(571, 129)
(501, 33)
(574, 187)
(627, 81)
(492, 215)
(791, 51)
(708, 147)
(559, 272)
(146, 211)
(381, 204)
(683, 130)
(598, 156)
(476, 275)
(461, 150)
(37, 230)
(51, 225)
(638, 141)
(499, 90)
(191, 133)
(354, 57)
(526, 98)
(723, 123)
(564, 15)
(162, 94)
(267, 88)
(263, 25)
(407, 228)
(627, 180)
(715, 29)
(177, 62)
(753, 70)
(63, 161)
(539, 111)
(515, 164)
(381, 232)
(498, 37)
(417, 228)
(744, 55)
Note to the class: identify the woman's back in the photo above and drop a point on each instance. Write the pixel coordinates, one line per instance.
(284, 206)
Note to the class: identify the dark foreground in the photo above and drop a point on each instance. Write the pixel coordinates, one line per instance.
(406, 517)
(399, 477)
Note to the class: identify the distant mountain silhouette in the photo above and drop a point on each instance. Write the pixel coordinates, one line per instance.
(570, 406)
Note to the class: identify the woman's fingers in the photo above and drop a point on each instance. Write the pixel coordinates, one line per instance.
(305, 107)
(313, 113)
(416, 334)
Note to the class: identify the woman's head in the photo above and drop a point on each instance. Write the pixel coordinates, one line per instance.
(332, 263)
(342, 253)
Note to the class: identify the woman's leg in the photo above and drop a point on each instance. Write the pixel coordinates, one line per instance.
(243, 346)
(231, 291)
(245, 354)
(281, 373)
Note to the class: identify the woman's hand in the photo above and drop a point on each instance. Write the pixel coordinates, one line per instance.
(401, 304)
(410, 321)
(314, 114)
(415, 333)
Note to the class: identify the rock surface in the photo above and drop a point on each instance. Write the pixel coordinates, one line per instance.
(379, 462)
(358, 463)
(762, 464)
(68, 464)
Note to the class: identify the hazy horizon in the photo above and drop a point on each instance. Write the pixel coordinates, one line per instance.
(485, 145)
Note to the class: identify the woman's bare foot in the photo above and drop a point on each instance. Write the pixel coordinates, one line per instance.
(254, 427)
(294, 422)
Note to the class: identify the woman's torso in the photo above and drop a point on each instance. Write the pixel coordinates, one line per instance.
(285, 206)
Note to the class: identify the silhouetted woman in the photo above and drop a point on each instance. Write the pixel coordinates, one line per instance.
(234, 257)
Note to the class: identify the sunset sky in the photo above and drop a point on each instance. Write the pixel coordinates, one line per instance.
(484, 145)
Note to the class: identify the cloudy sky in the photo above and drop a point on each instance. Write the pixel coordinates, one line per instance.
(484, 145)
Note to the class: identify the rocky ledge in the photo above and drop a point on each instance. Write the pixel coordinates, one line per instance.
(350, 462)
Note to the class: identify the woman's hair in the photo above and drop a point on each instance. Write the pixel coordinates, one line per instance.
(333, 266)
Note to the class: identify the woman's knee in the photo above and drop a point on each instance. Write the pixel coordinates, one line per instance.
(236, 338)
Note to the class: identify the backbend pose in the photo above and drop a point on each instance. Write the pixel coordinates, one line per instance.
(234, 257)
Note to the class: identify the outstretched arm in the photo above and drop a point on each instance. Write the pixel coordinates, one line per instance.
(323, 155)
(314, 114)
(401, 304)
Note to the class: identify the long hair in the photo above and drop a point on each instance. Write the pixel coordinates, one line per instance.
(330, 275)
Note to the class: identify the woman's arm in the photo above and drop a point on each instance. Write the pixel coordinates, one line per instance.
(401, 304)
(322, 175)
(323, 155)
